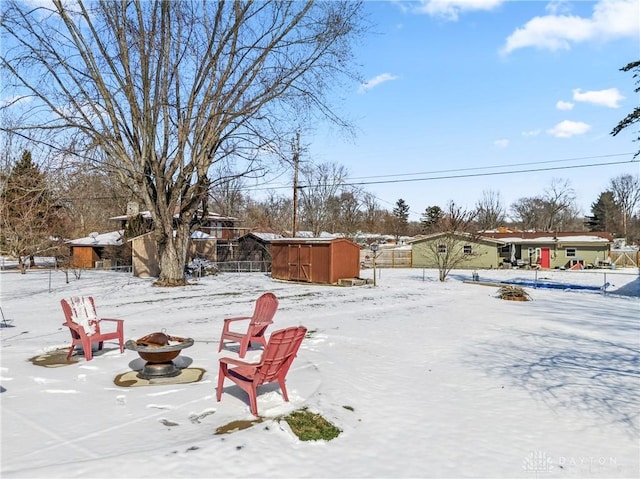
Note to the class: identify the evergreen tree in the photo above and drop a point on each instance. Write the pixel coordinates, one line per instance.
(430, 219)
(606, 214)
(401, 218)
(29, 215)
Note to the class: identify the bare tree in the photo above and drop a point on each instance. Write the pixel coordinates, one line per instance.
(91, 197)
(225, 196)
(555, 210)
(157, 92)
(319, 185)
(274, 213)
(626, 194)
(372, 213)
(528, 212)
(559, 209)
(349, 211)
(490, 212)
(450, 248)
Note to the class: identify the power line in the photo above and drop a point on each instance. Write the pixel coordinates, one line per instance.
(497, 173)
(430, 176)
(496, 166)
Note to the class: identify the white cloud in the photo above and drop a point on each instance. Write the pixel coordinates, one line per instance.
(564, 105)
(375, 81)
(530, 133)
(568, 128)
(610, 19)
(610, 97)
(450, 9)
(502, 143)
(558, 6)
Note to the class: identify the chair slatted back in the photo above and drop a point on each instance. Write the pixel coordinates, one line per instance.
(280, 352)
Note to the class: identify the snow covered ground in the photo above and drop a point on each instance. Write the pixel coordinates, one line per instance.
(425, 379)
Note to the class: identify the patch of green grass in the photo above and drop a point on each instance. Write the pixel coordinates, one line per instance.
(348, 408)
(309, 426)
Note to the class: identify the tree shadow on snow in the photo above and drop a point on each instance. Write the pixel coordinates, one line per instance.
(565, 370)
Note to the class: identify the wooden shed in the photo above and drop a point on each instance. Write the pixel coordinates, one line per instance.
(104, 250)
(315, 260)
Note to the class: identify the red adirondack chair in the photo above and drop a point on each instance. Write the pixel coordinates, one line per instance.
(265, 310)
(274, 365)
(85, 326)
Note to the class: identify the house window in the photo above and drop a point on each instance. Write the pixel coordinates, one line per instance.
(442, 248)
(571, 252)
(466, 249)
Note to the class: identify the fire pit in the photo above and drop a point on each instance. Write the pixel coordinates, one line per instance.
(159, 350)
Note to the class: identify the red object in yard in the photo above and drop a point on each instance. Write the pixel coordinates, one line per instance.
(85, 326)
(273, 367)
(265, 310)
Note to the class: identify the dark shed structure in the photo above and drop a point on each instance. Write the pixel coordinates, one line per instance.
(256, 247)
(315, 260)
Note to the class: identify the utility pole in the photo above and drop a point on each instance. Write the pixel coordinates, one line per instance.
(296, 161)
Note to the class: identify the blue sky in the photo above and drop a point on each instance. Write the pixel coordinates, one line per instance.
(487, 86)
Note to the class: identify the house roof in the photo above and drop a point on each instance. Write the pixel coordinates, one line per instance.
(467, 236)
(147, 215)
(114, 238)
(552, 237)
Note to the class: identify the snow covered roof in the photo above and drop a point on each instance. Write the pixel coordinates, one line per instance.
(199, 235)
(147, 215)
(264, 235)
(552, 237)
(114, 238)
(557, 239)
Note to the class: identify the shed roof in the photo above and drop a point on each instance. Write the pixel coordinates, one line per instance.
(312, 240)
(114, 238)
(263, 236)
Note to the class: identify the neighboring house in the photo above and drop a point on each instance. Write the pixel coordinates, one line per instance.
(215, 241)
(553, 250)
(479, 252)
(106, 250)
(222, 228)
(315, 260)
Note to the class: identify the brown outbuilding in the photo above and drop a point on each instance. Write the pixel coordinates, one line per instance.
(315, 260)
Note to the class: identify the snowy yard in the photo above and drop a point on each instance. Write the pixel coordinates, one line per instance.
(424, 379)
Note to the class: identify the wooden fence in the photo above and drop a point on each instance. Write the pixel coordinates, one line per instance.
(387, 258)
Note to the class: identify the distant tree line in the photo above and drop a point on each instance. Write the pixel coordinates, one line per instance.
(41, 207)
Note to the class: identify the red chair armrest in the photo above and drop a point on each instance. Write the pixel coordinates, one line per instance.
(236, 362)
(240, 318)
